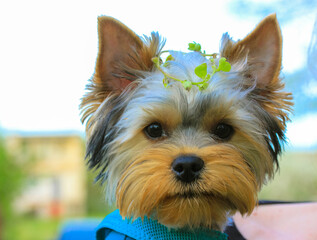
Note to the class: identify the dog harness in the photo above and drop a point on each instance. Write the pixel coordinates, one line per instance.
(113, 227)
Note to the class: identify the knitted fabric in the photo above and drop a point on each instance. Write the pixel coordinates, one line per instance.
(149, 229)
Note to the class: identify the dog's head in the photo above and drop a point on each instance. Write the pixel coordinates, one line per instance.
(186, 156)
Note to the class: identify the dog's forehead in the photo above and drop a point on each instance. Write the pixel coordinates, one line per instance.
(191, 105)
(152, 101)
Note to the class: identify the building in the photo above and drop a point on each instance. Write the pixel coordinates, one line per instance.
(56, 174)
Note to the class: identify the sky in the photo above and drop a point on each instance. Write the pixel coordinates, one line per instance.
(48, 51)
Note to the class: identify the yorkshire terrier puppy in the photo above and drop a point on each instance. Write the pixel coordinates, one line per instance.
(189, 139)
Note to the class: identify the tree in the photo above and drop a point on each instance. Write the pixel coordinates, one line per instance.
(10, 182)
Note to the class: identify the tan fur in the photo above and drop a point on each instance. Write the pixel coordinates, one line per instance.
(168, 116)
(257, 156)
(226, 185)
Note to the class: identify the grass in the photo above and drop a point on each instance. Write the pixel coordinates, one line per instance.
(296, 179)
(31, 228)
(34, 228)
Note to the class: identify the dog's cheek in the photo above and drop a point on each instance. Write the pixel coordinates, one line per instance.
(256, 155)
(228, 176)
(103, 131)
(146, 180)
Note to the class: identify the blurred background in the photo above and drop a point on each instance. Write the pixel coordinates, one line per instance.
(47, 54)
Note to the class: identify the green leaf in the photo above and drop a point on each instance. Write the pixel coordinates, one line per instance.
(187, 84)
(165, 82)
(169, 58)
(155, 60)
(194, 47)
(224, 65)
(203, 86)
(191, 46)
(201, 70)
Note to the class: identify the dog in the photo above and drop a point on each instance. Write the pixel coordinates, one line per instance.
(186, 140)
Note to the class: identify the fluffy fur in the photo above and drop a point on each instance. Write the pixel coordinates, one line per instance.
(126, 94)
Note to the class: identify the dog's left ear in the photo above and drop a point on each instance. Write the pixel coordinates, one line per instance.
(263, 50)
(258, 58)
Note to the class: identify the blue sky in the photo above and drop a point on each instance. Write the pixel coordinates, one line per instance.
(48, 51)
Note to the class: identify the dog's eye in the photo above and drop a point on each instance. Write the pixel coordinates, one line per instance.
(154, 130)
(223, 131)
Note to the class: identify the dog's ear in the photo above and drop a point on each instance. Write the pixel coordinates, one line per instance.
(258, 58)
(122, 58)
(121, 54)
(262, 49)
(117, 44)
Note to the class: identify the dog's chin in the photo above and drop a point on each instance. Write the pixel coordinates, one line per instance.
(194, 210)
(189, 208)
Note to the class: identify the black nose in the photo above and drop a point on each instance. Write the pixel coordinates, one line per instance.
(187, 168)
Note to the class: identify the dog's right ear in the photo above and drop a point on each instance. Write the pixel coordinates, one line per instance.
(118, 46)
(122, 57)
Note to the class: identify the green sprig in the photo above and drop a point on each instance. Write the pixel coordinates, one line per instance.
(200, 71)
(194, 47)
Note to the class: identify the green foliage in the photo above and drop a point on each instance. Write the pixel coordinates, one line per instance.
(224, 65)
(187, 84)
(156, 60)
(10, 179)
(201, 71)
(31, 228)
(194, 47)
(296, 180)
(96, 203)
(203, 86)
(10, 182)
(167, 60)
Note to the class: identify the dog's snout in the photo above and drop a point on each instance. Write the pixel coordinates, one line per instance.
(187, 168)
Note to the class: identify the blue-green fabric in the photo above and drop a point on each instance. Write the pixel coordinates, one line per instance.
(149, 229)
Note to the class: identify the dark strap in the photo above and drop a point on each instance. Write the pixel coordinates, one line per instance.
(233, 232)
(109, 234)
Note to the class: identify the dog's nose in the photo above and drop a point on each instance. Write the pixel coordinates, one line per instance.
(187, 168)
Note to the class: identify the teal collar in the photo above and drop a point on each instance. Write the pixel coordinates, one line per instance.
(149, 229)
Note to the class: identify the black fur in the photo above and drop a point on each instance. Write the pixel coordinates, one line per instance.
(104, 133)
(275, 137)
